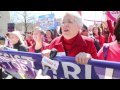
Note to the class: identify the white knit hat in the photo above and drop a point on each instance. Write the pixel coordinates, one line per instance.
(17, 33)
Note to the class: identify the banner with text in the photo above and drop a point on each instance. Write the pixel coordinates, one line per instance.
(24, 65)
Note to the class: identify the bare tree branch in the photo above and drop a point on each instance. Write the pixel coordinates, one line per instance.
(24, 17)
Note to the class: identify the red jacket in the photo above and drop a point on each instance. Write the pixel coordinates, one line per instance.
(101, 40)
(113, 52)
(111, 29)
(81, 44)
(32, 48)
(29, 42)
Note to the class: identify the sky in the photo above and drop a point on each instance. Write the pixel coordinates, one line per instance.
(86, 15)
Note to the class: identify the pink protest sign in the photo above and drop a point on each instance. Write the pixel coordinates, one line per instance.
(113, 14)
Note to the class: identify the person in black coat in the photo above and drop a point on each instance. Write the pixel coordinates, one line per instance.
(17, 43)
(16, 40)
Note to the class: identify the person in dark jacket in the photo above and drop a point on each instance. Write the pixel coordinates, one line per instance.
(17, 41)
(85, 32)
(98, 36)
(2, 42)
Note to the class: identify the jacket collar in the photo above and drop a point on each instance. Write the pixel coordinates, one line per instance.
(79, 40)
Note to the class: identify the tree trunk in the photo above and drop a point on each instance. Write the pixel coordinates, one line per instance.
(25, 17)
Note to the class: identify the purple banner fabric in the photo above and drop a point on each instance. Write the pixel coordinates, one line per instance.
(24, 65)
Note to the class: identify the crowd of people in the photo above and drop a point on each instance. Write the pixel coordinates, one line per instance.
(74, 38)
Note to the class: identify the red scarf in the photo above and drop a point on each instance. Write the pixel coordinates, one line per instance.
(69, 44)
